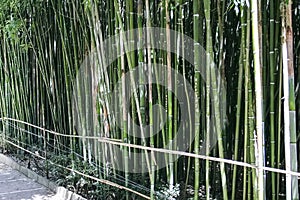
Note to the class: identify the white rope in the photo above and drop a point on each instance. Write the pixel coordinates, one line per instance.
(181, 153)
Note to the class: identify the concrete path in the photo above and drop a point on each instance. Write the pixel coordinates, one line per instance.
(16, 186)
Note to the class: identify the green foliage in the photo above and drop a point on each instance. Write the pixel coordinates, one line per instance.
(84, 186)
(13, 29)
(165, 192)
(13, 9)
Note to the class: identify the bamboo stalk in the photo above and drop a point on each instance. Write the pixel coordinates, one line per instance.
(150, 99)
(239, 97)
(197, 92)
(216, 101)
(247, 173)
(258, 99)
(286, 108)
(291, 99)
(272, 89)
(169, 95)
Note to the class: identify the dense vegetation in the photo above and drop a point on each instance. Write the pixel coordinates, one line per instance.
(251, 63)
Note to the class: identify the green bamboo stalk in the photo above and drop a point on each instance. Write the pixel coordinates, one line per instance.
(258, 99)
(252, 140)
(247, 172)
(196, 36)
(286, 106)
(221, 61)
(133, 86)
(249, 196)
(208, 126)
(176, 61)
(150, 99)
(117, 74)
(7, 97)
(104, 76)
(74, 28)
(279, 125)
(286, 117)
(142, 89)
(184, 74)
(208, 130)
(272, 92)
(124, 115)
(239, 97)
(289, 102)
(169, 95)
(262, 32)
(162, 61)
(215, 94)
(130, 26)
(159, 97)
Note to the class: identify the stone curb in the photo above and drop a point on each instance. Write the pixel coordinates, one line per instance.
(61, 192)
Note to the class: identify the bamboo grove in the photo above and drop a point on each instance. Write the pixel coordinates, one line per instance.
(255, 45)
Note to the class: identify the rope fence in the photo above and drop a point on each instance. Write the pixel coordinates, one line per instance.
(160, 150)
(122, 144)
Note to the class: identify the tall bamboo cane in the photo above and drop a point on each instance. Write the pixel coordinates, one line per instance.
(258, 99)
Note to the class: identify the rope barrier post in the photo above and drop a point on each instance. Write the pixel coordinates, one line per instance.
(45, 148)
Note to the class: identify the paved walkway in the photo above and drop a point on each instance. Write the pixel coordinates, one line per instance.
(16, 186)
